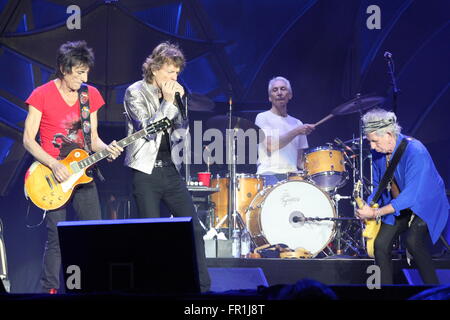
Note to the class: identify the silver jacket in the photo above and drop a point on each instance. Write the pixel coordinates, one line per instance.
(142, 107)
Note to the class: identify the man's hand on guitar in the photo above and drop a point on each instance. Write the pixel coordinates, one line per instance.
(366, 212)
(114, 150)
(60, 171)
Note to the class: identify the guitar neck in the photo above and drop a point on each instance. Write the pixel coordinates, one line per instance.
(356, 194)
(100, 155)
(359, 202)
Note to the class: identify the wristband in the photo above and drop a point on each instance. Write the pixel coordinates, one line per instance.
(377, 214)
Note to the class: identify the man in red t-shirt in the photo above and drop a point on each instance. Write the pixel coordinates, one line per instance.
(54, 112)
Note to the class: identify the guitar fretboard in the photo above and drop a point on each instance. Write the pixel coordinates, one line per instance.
(100, 155)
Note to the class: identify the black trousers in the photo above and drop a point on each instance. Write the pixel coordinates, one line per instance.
(165, 184)
(86, 204)
(417, 243)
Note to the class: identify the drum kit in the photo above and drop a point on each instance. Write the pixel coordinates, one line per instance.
(302, 210)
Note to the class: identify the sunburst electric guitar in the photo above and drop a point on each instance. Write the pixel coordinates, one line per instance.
(371, 226)
(42, 188)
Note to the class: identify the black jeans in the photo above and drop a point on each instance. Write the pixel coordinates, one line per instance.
(86, 204)
(165, 184)
(417, 242)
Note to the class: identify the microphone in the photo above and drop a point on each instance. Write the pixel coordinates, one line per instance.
(342, 144)
(387, 55)
(180, 105)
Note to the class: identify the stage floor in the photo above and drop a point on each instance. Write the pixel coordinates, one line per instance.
(330, 271)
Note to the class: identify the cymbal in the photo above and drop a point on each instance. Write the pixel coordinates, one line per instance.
(358, 104)
(354, 140)
(199, 102)
(221, 122)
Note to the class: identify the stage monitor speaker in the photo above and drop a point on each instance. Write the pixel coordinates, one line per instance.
(5, 285)
(2, 287)
(155, 256)
(225, 279)
(413, 276)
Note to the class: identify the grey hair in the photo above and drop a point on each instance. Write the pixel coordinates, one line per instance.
(271, 82)
(380, 122)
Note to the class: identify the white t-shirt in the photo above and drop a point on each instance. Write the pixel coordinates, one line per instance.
(283, 160)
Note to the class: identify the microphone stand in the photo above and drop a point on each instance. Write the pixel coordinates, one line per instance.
(395, 89)
(187, 145)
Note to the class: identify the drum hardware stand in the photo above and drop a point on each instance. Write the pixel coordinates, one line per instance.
(358, 173)
(337, 198)
(231, 140)
(196, 207)
(361, 169)
(356, 169)
(349, 245)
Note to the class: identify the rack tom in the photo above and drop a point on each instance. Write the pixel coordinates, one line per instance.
(326, 167)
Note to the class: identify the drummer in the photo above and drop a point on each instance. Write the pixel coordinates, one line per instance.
(282, 150)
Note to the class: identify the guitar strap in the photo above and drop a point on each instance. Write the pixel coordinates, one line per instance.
(390, 170)
(85, 118)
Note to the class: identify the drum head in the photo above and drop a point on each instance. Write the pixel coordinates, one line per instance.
(283, 210)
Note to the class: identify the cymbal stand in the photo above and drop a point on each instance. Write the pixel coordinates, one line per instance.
(231, 141)
(361, 170)
(366, 184)
(337, 198)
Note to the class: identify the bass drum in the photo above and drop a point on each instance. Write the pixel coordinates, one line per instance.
(275, 216)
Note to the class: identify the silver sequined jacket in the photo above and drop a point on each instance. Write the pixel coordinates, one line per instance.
(142, 107)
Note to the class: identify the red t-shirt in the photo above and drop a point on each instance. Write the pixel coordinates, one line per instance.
(60, 128)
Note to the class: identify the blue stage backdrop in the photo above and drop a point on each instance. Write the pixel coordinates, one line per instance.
(329, 50)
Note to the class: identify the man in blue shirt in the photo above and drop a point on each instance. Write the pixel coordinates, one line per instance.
(414, 200)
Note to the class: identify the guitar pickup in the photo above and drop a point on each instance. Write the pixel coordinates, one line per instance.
(49, 182)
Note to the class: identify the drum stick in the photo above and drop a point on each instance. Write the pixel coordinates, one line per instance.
(328, 117)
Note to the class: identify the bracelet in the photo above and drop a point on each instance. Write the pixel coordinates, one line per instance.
(377, 214)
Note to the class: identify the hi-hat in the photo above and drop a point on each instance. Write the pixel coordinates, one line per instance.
(358, 104)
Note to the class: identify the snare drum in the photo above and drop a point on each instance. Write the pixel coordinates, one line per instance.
(275, 216)
(247, 186)
(297, 175)
(326, 167)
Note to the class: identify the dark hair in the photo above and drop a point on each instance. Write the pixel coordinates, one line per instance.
(305, 289)
(435, 293)
(72, 54)
(165, 52)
